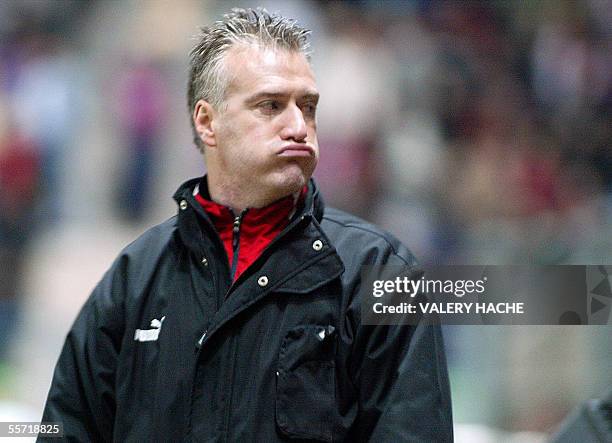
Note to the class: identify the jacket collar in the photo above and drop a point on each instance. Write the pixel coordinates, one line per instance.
(314, 205)
(197, 230)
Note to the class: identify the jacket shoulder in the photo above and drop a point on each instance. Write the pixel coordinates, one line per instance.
(153, 240)
(136, 263)
(353, 236)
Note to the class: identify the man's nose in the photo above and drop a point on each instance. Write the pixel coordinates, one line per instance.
(294, 125)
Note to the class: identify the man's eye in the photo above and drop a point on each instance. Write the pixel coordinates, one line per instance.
(309, 109)
(269, 106)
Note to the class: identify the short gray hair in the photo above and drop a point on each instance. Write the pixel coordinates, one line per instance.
(207, 80)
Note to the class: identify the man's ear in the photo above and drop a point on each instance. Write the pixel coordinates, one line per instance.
(203, 116)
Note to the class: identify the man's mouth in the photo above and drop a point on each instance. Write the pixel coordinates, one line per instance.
(297, 151)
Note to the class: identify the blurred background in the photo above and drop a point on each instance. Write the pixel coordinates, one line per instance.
(476, 132)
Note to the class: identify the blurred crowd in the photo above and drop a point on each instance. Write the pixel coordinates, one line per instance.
(476, 132)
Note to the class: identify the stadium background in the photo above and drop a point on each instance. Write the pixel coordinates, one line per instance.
(476, 132)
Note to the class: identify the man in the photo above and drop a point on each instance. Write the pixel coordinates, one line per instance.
(239, 319)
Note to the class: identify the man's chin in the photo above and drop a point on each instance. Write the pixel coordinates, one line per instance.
(287, 184)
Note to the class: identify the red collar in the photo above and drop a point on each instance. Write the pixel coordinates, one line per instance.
(257, 227)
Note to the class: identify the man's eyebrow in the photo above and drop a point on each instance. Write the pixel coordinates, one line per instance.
(313, 96)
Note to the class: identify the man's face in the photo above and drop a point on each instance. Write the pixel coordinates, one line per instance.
(265, 132)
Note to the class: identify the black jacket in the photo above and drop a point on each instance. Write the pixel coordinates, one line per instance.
(167, 349)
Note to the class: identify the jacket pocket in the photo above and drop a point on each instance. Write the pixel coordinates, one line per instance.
(305, 388)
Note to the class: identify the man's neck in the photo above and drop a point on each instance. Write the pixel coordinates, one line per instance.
(237, 198)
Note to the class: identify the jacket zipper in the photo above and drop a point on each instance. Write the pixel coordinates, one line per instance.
(230, 391)
(236, 243)
(234, 265)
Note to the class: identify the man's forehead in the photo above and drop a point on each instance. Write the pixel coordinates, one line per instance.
(255, 69)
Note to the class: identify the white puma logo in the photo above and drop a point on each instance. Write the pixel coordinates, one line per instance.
(150, 334)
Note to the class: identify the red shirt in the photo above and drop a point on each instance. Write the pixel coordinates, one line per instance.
(250, 232)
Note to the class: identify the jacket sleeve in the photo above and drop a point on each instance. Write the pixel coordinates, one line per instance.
(82, 395)
(401, 377)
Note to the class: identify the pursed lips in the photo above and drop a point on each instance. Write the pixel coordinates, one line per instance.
(297, 151)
